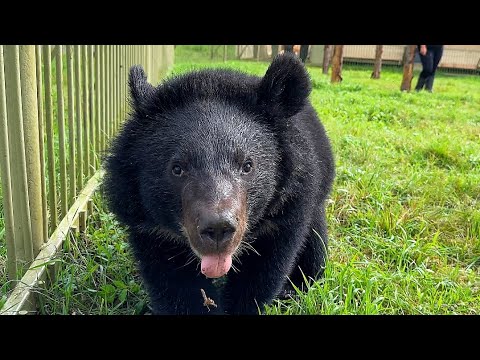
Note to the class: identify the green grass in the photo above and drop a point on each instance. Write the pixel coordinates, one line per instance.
(97, 274)
(403, 216)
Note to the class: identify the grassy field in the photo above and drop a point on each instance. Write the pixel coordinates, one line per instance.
(403, 217)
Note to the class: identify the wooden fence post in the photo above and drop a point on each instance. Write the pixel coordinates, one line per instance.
(6, 178)
(41, 139)
(18, 167)
(52, 195)
(28, 80)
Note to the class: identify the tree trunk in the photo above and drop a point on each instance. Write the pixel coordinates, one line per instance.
(337, 62)
(377, 67)
(326, 58)
(262, 52)
(408, 68)
(255, 51)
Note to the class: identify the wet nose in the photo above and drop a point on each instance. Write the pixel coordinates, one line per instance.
(216, 228)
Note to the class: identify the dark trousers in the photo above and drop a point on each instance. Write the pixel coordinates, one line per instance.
(430, 63)
(303, 51)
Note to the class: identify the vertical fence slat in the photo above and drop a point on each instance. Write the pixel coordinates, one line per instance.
(61, 131)
(97, 100)
(114, 98)
(127, 69)
(110, 93)
(78, 116)
(157, 59)
(117, 86)
(145, 61)
(41, 139)
(122, 82)
(103, 94)
(52, 195)
(6, 178)
(107, 93)
(125, 84)
(16, 145)
(91, 109)
(125, 77)
(28, 81)
(130, 64)
(139, 54)
(86, 115)
(114, 108)
(149, 62)
(71, 127)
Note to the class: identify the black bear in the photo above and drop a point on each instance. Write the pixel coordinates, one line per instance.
(220, 174)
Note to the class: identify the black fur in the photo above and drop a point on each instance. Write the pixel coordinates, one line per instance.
(211, 122)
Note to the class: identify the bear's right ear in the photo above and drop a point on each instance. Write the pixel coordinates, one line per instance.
(140, 89)
(285, 87)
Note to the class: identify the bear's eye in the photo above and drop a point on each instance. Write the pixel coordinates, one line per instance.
(247, 166)
(177, 170)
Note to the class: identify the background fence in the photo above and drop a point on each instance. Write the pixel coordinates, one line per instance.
(456, 58)
(59, 108)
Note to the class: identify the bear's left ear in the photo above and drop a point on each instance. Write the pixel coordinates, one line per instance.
(285, 86)
(140, 89)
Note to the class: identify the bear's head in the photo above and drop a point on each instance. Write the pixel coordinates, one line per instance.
(199, 160)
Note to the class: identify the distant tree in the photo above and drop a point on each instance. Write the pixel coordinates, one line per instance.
(326, 58)
(377, 67)
(337, 62)
(408, 68)
(262, 53)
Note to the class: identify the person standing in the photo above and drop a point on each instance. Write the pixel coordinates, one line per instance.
(300, 50)
(430, 55)
(304, 52)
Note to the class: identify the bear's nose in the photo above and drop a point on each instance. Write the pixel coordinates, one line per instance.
(216, 228)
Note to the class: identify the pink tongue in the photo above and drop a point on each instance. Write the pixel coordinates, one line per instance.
(214, 266)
